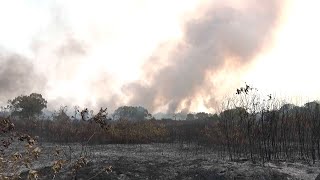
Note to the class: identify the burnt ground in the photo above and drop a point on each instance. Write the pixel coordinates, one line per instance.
(165, 161)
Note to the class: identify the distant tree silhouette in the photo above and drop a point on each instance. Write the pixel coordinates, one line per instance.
(190, 117)
(27, 106)
(61, 114)
(201, 115)
(132, 113)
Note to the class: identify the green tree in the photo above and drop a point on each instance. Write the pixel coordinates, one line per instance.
(132, 113)
(190, 117)
(201, 115)
(27, 106)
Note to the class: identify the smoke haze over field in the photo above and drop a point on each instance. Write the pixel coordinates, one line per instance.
(222, 32)
(174, 77)
(17, 74)
(163, 55)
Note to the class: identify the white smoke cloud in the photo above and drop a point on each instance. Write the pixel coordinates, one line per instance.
(90, 53)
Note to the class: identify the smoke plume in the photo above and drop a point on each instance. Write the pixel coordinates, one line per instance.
(18, 76)
(224, 33)
(78, 59)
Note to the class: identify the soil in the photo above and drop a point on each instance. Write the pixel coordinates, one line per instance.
(164, 161)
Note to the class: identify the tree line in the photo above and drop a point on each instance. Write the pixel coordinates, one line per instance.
(246, 127)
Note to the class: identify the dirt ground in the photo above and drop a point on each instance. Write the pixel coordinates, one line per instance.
(164, 161)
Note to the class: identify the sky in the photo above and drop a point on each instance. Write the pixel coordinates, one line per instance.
(165, 55)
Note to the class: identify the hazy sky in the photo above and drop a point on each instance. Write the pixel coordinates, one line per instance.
(166, 55)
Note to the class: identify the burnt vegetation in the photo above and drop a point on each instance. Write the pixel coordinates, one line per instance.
(248, 128)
